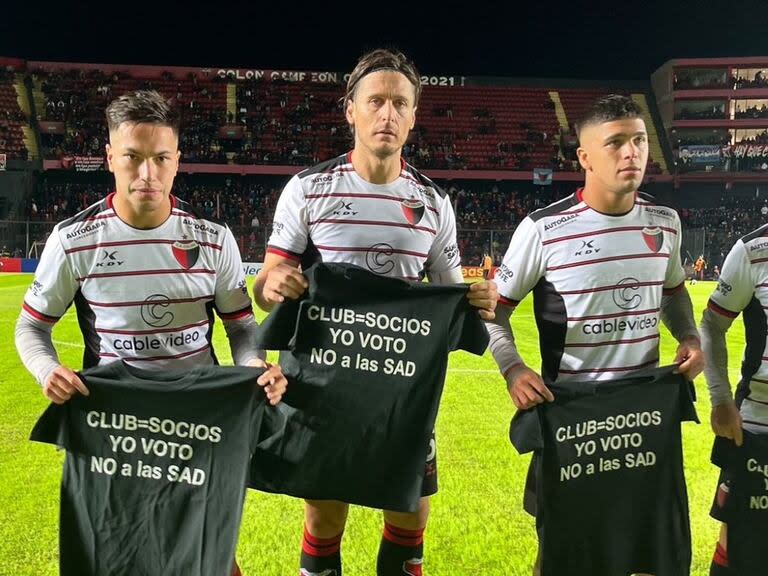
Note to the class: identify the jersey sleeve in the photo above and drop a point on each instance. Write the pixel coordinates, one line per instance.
(444, 253)
(54, 286)
(675, 276)
(735, 287)
(523, 265)
(231, 297)
(290, 226)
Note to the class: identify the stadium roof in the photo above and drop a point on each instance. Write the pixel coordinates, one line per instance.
(556, 38)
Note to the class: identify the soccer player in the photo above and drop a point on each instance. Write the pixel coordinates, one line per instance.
(698, 269)
(742, 287)
(368, 208)
(603, 265)
(145, 270)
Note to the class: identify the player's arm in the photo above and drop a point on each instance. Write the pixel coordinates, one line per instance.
(45, 302)
(734, 291)
(280, 277)
(519, 272)
(444, 265)
(677, 313)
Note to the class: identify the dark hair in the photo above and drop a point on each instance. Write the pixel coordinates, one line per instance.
(607, 109)
(383, 59)
(143, 107)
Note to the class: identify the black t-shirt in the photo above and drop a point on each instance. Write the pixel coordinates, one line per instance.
(747, 502)
(366, 367)
(156, 468)
(611, 495)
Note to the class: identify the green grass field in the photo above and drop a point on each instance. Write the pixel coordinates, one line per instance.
(476, 527)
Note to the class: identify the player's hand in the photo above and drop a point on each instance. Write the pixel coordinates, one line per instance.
(690, 357)
(62, 384)
(485, 296)
(284, 281)
(726, 422)
(526, 388)
(272, 380)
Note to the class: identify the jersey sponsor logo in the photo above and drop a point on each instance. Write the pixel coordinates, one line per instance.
(560, 221)
(277, 227)
(86, 230)
(664, 213)
(587, 247)
(36, 287)
(451, 252)
(325, 179)
(186, 252)
(154, 343)
(654, 238)
(625, 294)
(379, 260)
(344, 209)
(760, 246)
(617, 325)
(109, 259)
(723, 287)
(413, 210)
(428, 192)
(242, 286)
(201, 227)
(503, 273)
(154, 311)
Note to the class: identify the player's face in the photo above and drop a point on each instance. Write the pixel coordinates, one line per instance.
(614, 154)
(382, 112)
(144, 159)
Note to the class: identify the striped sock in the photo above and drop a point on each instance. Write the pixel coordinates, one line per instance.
(320, 556)
(401, 552)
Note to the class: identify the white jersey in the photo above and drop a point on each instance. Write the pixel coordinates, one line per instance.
(402, 229)
(143, 296)
(743, 287)
(597, 281)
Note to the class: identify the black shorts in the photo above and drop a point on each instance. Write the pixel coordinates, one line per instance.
(429, 484)
(719, 509)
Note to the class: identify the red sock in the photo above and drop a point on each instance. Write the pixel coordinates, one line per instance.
(320, 555)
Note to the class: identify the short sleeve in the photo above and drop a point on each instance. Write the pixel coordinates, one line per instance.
(231, 297)
(675, 275)
(54, 286)
(290, 226)
(444, 253)
(523, 264)
(735, 287)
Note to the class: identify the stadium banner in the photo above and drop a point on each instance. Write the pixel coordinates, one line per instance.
(704, 155)
(542, 176)
(10, 264)
(251, 268)
(472, 272)
(29, 264)
(748, 151)
(3, 161)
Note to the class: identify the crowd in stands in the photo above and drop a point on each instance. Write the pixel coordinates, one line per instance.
(687, 79)
(758, 81)
(756, 111)
(713, 112)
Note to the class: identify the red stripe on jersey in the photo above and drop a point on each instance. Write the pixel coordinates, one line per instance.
(756, 401)
(147, 273)
(39, 315)
(237, 314)
(610, 259)
(567, 212)
(615, 369)
(508, 301)
(142, 302)
(153, 331)
(372, 196)
(153, 358)
(612, 287)
(372, 223)
(720, 310)
(764, 285)
(758, 260)
(674, 289)
(370, 249)
(100, 217)
(616, 315)
(604, 231)
(342, 168)
(132, 243)
(755, 423)
(610, 342)
(283, 253)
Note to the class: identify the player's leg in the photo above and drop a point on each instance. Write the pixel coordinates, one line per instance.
(324, 522)
(719, 566)
(402, 544)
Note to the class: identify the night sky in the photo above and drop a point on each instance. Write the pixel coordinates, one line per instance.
(594, 40)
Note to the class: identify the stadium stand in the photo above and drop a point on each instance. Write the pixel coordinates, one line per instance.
(13, 121)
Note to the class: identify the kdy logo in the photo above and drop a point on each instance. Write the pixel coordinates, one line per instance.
(109, 259)
(186, 252)
(344, 209)
(587, 247)
(654, 238)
